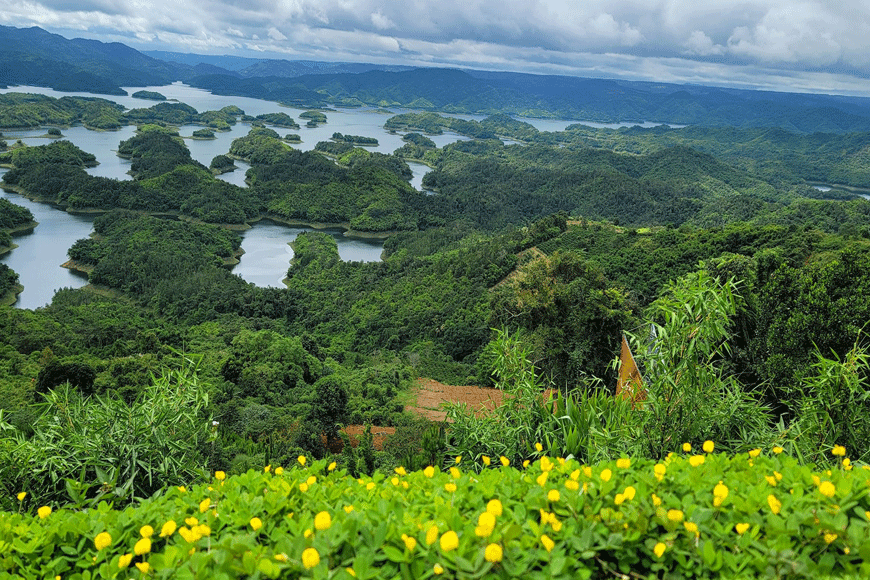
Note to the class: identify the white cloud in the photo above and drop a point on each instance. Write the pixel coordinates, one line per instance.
(700, 44)
(677, 38)
(382, 22)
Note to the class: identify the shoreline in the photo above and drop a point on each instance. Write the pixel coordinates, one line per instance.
(348, 231)
(11, 295)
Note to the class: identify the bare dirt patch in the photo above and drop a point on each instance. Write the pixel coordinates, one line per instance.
(427, 397)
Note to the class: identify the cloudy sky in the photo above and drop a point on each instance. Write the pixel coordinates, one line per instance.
(814, 46)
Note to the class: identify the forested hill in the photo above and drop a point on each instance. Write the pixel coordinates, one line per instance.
(559, 97)
(33, 56)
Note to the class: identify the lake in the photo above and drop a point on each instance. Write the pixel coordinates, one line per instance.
(267, 253)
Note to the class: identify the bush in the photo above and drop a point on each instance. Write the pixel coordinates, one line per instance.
(711, 515)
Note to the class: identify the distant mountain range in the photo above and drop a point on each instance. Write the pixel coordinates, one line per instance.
(33, 56)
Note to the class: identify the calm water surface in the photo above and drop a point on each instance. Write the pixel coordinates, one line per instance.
(39, 255)
(268, 253)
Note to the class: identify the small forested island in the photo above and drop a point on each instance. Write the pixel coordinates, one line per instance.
(282, 120)
(203, 134)
(355, 139)
(149, 95)
(314, 118)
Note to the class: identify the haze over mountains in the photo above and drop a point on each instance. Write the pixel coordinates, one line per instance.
(33, 56)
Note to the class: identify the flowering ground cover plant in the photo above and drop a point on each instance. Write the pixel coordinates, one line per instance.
(704, 515)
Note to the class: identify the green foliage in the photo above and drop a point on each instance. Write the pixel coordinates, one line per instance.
(19, 110)
(524, 417)
(831, 406)
(84, 449)
(421, 524)
(681, 346)
(571, 315)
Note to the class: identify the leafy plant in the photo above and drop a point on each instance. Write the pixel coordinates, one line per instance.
(84, 449)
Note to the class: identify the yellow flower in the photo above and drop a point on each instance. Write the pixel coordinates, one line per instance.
(623, 463)
(410, 543)
(331, 467)
(494, 507)
(657, 501)
(830, 537)
(204, 505)
(308, 533)
(220, 475)
(554, 523)
(191, 521)
(775, 504)
(21, 495)
(493, 553)
(455, 473)
(350, 571)
(708, 446)
(828, 489)
(572, 485)
(143, 546)
(777, 450)
(400, 471)
(301, 460)
(606, 474)
(431, 535)
(143, 567)
(838, 450)
(282, 557)
(675, 515)
(687, 447)
(485, 525)
(348, 509)
(659, 470)
(267, 469)
(279, 470)
(322, 521)
(311, 480)
(539, 447)
(755, 453)
(450, 487)
(659, 549)
(486, 460)
(504, 460)
(771, 480)
(438, 569)
(629, 492)
(449, 541)
(369, 486)
(720, 491)
(691, 527)
(429, 471)
(741, 528)
(458, 459)
(619, 499)
(553, 495)
(542, 479)
(394, 481)
(525, 463)
(146, 531)
(203, 530)
(44, 512)
(124, 561)
(777, 475)
(310, 558)
(546, 464)
(696, 460)
(548, 543)
(587, 471)
(256, 523)
(102, 540)
(303, 487)
(847, 463)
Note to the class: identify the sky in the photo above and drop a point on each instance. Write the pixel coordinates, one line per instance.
(800, 46)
